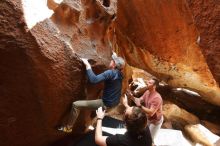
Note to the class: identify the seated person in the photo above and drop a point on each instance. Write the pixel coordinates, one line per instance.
(136, 124)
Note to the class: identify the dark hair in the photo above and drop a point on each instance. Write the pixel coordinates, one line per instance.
(156, 82)
(136, 122)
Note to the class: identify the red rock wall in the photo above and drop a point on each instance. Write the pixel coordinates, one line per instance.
(207, 20)
(19, 107)
(160, 37)
(41, 73)
(38, 82)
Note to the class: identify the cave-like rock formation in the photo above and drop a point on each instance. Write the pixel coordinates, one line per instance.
(206, 17)
(160, 36)
(41, 72)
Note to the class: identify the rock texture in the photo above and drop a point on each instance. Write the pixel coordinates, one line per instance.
(177, 115)
(201, 136)
(40, 70)
(207, 20)
(160, 37)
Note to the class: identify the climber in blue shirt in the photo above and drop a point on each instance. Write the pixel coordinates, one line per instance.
(111, 93)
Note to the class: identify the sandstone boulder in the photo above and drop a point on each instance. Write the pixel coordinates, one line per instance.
(41, 72)
(161, 37)
(206, 17)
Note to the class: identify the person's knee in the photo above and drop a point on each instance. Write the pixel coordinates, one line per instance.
(74, 104)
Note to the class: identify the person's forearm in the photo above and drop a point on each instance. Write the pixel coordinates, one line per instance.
(91, 75)
(126, 105)
(137, 101)
(147, 110)
(94, 78)
(98, 132)
(88, 67)
(99, 138)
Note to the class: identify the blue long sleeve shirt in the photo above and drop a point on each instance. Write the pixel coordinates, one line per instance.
(112, 85)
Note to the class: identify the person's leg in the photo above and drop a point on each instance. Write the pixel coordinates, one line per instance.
(81, 104)
(88, 104)
(154, 128)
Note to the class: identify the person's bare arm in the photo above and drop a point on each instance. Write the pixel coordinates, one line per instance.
(99, 138)
(125, 101)
(148, 111)
(153, 108)
(137, 101)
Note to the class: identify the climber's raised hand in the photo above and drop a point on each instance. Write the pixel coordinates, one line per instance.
(85, 61)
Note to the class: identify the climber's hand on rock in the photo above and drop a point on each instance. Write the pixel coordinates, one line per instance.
(85, 61)
(113, 53)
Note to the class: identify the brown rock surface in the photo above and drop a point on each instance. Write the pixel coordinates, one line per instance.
(206, 14)
(41, 73)
(160, 37)
(197, 135)
(40, 70)
(178, 115)
(38, 82)
(192, 103)
(212, 127)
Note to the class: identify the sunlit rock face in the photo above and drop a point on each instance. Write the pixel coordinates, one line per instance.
(35, 11)
(40, 49)
(160, 37)
(206, 15)
(177, 115)
(40, 70)
(200, 135)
